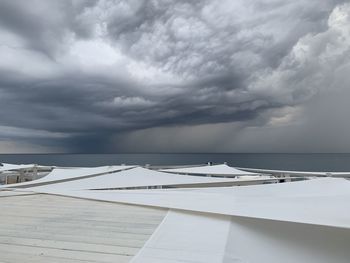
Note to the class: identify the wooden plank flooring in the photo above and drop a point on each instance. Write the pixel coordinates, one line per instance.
(47, 228)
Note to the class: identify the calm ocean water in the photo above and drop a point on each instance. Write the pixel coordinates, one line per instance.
(301, 162)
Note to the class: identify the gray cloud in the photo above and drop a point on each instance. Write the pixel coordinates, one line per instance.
(105, 76)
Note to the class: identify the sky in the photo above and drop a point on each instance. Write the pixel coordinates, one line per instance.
(112, 76)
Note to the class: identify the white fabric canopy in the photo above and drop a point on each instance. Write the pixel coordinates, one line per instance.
(220, 169)
(292, 222)
(319, 201)
(187, 237)
(202, 238)
(136, 177)
(64, 174)
(305, 221)
(299, 173)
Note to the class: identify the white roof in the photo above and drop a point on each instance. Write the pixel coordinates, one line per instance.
(220, 169)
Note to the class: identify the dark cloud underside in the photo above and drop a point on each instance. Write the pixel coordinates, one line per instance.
(108, 76)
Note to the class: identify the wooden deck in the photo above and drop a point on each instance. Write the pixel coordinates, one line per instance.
(47, 228)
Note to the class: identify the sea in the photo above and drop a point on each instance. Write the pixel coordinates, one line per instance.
(279, 161)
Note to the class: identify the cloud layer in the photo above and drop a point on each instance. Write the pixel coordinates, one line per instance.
(109, 76)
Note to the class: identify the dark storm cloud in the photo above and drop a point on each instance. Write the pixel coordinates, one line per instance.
(85, 74)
